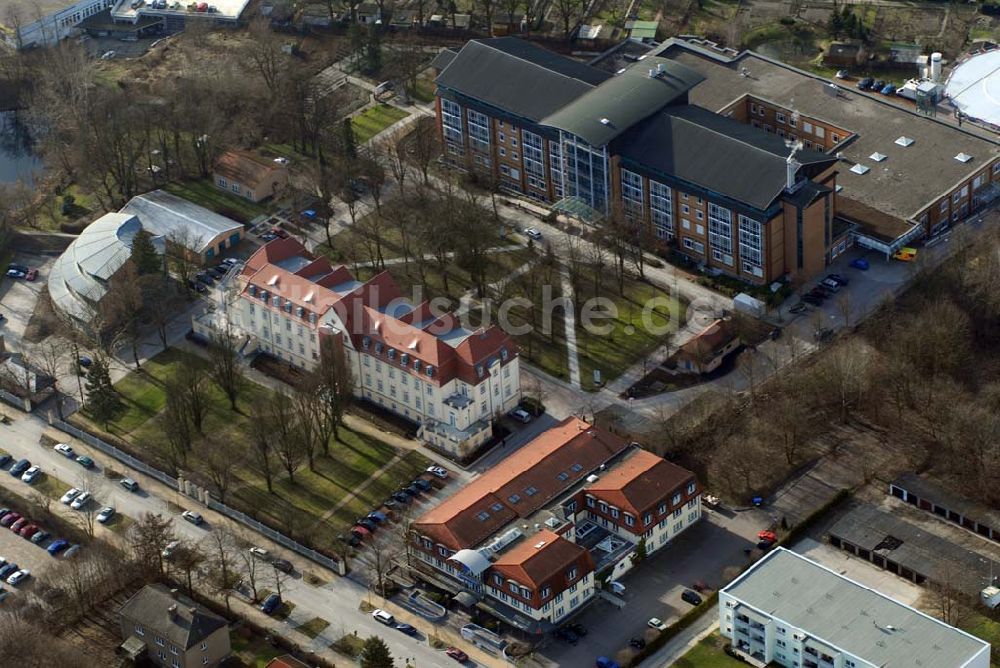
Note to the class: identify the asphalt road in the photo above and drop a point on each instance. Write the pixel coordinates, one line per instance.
(337, 601)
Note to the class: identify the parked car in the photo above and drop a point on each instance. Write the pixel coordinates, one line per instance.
(193, 517)
(400, 497)
(351, 539)
(14, 273)
(565, 633)
(260, 553)
(889, 89)
(19, 467)
(865, 83)
(407, 492)
(105, 514)
(407, 629)
(84, 361)
(438, 471)
(457, 654)
(19, 524)
(830, 284)
(842, 74)
(31, 475)
(7, 569)
(5, 459)
(40, 537)
(767, 534)
(204, 279)
(220, 270)
(383, 617)
(9, 519)
(29, 531)
(367, 523)
(80, 501)
(413, 490)
(283, 565)
(71, 552)
(860, 263)
(656, 623)
(18, 577)
(520, 415)
(85, 462)
(377, 516)
(422, 485)
(17, 267)
(65, 450)
(170, 548)
(764, 545)
(905, 254)
(636, 643)
(57, 546)
(270, 604)
(68, 497)
(532, 233)
(31, 274)
(878, 85)
(839, 279)
(812, 299)
(281, 161)
(129, 484)
(579, 629)
(231, 261)
(196, 286)
(691, 597)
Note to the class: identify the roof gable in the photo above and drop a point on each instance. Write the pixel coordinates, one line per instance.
(174, 616)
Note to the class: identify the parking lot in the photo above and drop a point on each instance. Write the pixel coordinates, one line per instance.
(703, 554)
(19, 297)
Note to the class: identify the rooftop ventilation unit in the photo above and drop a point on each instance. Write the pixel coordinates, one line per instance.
(904, 141)
(540, 544)
(592, 478)
(607, 121)
(860, 169)
(878, 157)
(963, 157)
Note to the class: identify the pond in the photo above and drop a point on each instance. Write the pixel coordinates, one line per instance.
(17, 159)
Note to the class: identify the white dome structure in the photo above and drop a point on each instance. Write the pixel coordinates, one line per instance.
(79, 278)
(974, 87)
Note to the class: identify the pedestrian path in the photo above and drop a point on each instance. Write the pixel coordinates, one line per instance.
(357, 490)
(572, 354)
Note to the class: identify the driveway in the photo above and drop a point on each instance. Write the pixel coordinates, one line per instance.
(653, 589)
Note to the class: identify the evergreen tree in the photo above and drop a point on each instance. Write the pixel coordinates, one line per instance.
(375, 654)
(373, 50)
(144, 255)
(836, 23)
(350, 143)
(103, 402)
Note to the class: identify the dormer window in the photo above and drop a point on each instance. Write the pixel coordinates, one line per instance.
(504, 354)
(300, 311)
(253, 290)
(404, 359)
(479, 370)
(276, 301)
(416, 365)
(312, 318)
(429, 371)
(392, 353)
(378, 347)
(288, 306)
(366, 341)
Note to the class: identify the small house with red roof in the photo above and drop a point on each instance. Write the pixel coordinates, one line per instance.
(410, 358)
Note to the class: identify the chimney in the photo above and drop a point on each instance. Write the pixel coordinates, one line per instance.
(652, 73)
(659, 68)
(791, 169)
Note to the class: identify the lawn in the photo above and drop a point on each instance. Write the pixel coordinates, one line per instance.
(708, 654)
(204, 193)
(50, 486)
(254, 651)
(298, 507)
(373, 120)
(425, 90)
(983, 627)
(313, 627)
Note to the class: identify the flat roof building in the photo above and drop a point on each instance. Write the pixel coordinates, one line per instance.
(792, 611)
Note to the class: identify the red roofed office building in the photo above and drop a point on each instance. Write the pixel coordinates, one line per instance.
(527, 536)
(418, 363)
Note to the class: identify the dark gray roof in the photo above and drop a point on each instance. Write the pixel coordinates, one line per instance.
(616, 105)
(892, 537)
(838, 611)
(443, 59)
(715, 152)
(150, 606)
(936, 493)
(518, 77)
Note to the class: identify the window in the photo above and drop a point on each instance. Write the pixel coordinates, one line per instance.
(514, 587)
(792, 121)
(546, 592)
(720, 231)
(503, 154)
(534, 157)
(685, 223)
(780, 117)
(160, 641)
(222, 182)
(760, 110)
(691, 487)
(629, 520)
(590, 502)
(660, 210)
(753, 107)
(479, 129)
(835, 138)
(675, 499)
(944, 205)
(662, 508)
(235, 187)
(451, 120)
(807, 127)
(633, 194)
(751, 246)
(820, 132)
(139, 631)
(614, 513)
(571, 574)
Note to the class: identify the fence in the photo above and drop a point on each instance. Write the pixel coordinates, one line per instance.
(242, 518)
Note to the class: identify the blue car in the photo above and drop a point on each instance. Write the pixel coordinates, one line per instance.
(7, 570)
(605, 662)
(57, 546)
(859, 263)
(407, 629)
(270, 604)
(20, 467)
(889, 89)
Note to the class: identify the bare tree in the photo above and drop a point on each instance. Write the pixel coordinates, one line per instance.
(191, 382)
(567, 11)
(426, 146)
(381, 555)
(218, 456)
(287, 441)
(149, 536)
(262, 451)
(225, 369)
(225, 576)
(278, 579)
(187, 558)
(252, 570)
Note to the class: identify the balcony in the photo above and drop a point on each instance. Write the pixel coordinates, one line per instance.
(753, 657)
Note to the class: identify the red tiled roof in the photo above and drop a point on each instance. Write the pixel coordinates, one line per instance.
(366, 309)
(245, 168)
(287, 661)
(705, 346)
(640, 481)
(541, 557)
(537, 467)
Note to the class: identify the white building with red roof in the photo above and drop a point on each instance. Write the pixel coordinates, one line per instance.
(408, 358)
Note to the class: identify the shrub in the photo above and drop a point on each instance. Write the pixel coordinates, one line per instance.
(786, 21)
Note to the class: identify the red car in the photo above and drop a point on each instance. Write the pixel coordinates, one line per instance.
(19, 524)
(767, 535)
(31, 275)
(29, 531)
(457, 654)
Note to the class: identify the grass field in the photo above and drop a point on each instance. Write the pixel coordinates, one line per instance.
(254, 651)
(204, 193)
(302, 506)
(313, 627)
(373, 120)
(983, 627)
(708, 654)
(50, 486)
